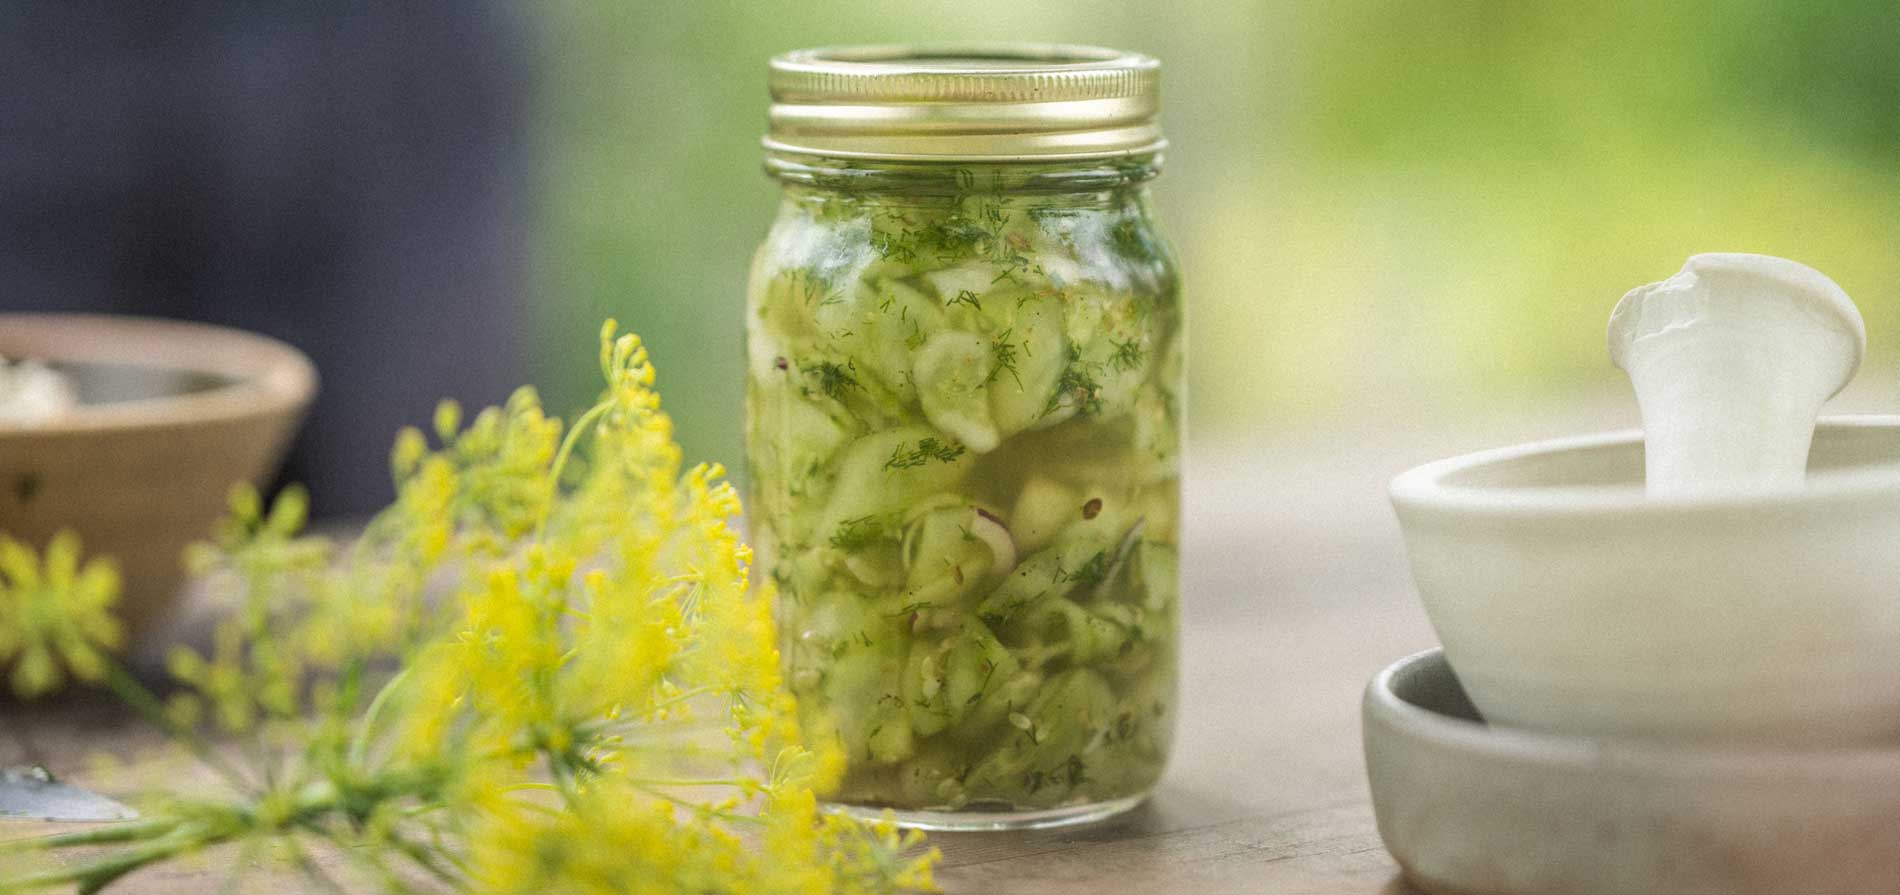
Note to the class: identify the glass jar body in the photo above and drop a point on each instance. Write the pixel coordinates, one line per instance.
(964, 407)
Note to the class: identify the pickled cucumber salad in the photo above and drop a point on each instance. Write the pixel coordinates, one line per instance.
(963, 435)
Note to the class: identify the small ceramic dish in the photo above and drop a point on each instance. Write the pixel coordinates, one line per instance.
(170, 415)
(1570, 602)
(1470, 808)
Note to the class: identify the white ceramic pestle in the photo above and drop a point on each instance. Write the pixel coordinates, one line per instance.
(1731, 360)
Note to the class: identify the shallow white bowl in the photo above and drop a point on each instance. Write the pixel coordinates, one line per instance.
(1570, 602)
(1468, 807)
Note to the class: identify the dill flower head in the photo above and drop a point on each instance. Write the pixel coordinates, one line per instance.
(624, 672)
(55, 614)
(587, 695)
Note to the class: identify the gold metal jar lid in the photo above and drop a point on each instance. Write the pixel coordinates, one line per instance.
(965, 102)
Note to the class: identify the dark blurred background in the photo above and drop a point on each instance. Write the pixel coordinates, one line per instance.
(1387, 211)
(348, 177)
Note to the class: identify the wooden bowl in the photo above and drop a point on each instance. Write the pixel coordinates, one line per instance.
(172, 415)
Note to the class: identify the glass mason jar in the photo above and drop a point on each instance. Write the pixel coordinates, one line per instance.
(964, 416)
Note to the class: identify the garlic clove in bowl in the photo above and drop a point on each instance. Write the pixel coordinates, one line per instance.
(32, 393)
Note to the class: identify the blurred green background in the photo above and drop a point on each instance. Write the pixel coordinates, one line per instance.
(1384, 209)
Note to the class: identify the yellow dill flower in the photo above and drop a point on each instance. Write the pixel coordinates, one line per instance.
(611, 842)
(510, 649)
(55, 614)
(423, 510)
(222, 681)
(625, 643)
(589, 698)
(504, 457)
(255, 670)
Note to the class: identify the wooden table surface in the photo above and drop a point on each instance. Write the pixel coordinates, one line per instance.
(1296, 594)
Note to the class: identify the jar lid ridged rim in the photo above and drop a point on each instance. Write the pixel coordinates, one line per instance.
(973, 101)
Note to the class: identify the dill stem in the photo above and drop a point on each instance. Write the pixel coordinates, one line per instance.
(568, 442)
(665, 796)
(93, 876)
(142, 700)
(662, 781)
(108, 835)
(573, 438)
(359, 744)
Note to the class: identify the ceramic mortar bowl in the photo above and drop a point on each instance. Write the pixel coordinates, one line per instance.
(171, 415)
(1570, 602)
(1467, 807)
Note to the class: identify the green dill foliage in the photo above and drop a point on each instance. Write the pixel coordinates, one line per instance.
(1130, 239)
(863, 532)
(976, 228)
(1136, 241)
(940, 240)
(831, 378)
(1014, 262)
(1078, 387)
(1003, 357)
(894, 246)
(953, 237)
(1090, 573)
(927, 450)
(812, 287)
(1127, 356)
